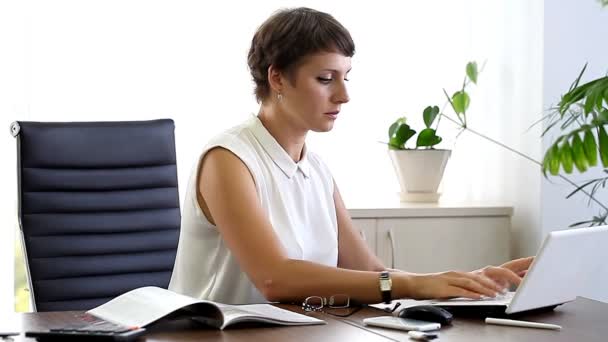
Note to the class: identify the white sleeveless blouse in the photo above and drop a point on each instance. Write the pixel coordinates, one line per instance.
(297, 198)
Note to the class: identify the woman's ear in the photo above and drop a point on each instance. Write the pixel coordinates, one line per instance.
(275, 79)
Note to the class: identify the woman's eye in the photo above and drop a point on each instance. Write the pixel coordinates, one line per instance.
(324, 79)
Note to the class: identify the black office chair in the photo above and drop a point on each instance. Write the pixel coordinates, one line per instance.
(98, 209)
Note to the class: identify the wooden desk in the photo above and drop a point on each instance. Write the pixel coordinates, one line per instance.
(582, 320)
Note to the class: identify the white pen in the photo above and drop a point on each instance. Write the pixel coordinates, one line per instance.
(525, 324)
(421, 335)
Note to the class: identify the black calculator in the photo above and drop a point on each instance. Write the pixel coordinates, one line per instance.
(89, 329)
(85, 335)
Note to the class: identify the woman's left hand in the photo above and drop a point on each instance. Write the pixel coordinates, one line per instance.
(509, 273)
(519, 266)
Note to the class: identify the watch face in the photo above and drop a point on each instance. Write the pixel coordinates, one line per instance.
(385, 285)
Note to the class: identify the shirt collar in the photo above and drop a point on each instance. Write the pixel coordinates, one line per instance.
(276, 152)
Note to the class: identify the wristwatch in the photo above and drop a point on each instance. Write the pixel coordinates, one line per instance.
(386, 285)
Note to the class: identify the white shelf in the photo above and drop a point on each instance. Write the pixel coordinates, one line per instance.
(402, 209)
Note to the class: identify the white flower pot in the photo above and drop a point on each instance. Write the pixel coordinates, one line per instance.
(419, 173)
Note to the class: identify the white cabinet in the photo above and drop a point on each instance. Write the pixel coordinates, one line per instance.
(433, 238)
(367, 229)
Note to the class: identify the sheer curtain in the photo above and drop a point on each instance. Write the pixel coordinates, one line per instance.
(12, 106)
(505, 106)
(135, 59)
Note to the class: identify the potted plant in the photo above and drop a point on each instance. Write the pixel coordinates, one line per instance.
(420, 168)
(581, 116)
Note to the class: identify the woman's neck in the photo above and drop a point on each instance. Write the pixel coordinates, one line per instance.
(289, 136)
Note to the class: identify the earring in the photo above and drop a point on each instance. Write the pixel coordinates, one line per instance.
(279, 96)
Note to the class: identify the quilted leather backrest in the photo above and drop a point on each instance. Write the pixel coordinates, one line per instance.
(98, 207)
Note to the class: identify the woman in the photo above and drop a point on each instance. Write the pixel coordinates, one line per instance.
(263, 219)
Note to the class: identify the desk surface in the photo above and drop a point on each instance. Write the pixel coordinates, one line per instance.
(581, 320)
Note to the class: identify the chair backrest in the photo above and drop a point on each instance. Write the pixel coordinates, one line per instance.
(98, 209)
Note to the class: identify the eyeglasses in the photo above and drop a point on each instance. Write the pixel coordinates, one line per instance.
(337, 305)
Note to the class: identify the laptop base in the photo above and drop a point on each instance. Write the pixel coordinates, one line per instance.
(483, 311)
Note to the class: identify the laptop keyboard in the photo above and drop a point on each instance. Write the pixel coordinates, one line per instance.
(501, 299)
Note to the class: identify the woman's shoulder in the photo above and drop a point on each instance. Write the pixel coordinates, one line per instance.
(233, 131)
(236, 137)
(315, 158)
(239, 141)
(317, 162)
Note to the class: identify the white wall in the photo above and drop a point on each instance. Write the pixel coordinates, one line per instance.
(82, 60)
(576, 31)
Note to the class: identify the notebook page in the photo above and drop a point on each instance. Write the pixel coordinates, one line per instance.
(142, 306)
(265, 313)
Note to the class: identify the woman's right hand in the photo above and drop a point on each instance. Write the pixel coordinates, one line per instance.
(450, 284)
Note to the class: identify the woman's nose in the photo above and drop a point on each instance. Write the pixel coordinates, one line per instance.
(341, 95)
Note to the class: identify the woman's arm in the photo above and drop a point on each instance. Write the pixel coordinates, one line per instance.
(353, 252)
(229, 193)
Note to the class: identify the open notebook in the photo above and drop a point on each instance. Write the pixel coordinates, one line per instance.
(145, 305)
(125, 317)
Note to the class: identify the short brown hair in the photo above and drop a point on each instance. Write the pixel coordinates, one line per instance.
(288, 36)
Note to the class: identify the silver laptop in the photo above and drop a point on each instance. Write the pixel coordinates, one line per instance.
(565, 262)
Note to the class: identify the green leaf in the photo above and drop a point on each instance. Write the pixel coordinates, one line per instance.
(590, 148)
(427, 138)
(590, 99)
(403, 134)
(565, 156)
(460, 101)
(429, 114)
(392, 129)
(554, 160)
(601, 119)
(581, 187)
(599, 98)
(393, 144)
(574, 95)
(472, 71)
(588, 91)
(603, 141)
(578, 152)
(578, 78)
(546, 158)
